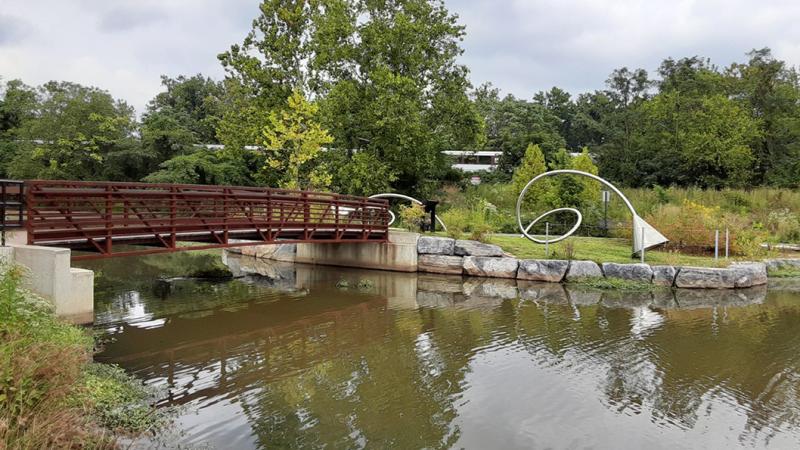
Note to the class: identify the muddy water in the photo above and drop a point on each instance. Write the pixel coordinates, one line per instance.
(282, 357)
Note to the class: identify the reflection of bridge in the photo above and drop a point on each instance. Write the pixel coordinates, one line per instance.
(96, 216)
(211, 358)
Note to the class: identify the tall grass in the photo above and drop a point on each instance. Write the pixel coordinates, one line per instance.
(687, 216)
(51, 393)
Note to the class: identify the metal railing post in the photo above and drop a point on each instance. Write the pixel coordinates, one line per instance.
(3, 216)
(641, 249)
(727, 242)
(547, 239)
(108, 216)
(716, 245)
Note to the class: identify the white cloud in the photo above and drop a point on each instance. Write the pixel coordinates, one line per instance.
(522, 46)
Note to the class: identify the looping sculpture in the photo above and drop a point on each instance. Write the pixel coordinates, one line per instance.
(644, 235)
(405, 197)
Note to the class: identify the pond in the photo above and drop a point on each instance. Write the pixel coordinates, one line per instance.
(307, 356)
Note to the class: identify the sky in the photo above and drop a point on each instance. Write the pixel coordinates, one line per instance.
(521, 46)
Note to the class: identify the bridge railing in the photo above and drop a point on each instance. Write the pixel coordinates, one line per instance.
(11, 206)
(95, 216)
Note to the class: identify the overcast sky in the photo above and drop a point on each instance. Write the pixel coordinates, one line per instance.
(521, 46)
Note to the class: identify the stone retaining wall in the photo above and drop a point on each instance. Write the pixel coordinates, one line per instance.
(446, 255)
(463, 257)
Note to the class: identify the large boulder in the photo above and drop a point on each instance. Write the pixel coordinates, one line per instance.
(481, 266)
(579, 270)
(440, 264)
(633, 272)
(705, 278)
(783, 263)
(550, 270)
(749, 274)
(475, 248)
(431, 245)
(664, 275)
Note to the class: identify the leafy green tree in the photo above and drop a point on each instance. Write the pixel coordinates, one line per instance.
(541, 193)
(183, 115)
(358, 173)
(771, 92)
(701, 141)
(293, 141)
(17, 105)
(513, 124)
(77, 133)
(559, 103)
(202, 167)
(384, 73)
(591, 189)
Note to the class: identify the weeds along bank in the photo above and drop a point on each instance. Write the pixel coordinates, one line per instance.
(687, 216)
(52, 395)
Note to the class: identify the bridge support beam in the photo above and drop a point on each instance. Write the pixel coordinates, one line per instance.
(70, 290)
(399, 254)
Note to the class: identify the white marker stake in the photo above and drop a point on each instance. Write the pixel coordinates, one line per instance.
(546, 239)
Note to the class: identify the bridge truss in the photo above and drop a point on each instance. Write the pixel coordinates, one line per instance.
(96, 217)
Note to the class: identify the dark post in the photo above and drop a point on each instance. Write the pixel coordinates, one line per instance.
(430, 206)
(3, 215)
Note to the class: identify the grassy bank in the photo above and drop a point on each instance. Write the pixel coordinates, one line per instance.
(51, 393)
(687, 216)
(599, 250)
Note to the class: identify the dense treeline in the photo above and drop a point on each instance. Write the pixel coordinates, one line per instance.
(377, 85)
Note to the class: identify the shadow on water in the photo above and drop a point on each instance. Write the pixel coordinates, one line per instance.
(282, 357)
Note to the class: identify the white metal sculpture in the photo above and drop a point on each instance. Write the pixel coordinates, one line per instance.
(644, 235)
(405, 197)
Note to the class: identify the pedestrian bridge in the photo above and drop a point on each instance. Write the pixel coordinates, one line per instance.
(108, 219)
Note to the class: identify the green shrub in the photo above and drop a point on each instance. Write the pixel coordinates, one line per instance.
(412, 216)
(51, 393)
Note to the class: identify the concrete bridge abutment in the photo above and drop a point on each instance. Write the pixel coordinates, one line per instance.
(51, 276)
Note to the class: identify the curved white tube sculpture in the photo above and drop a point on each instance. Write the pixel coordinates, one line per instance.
(560, 238)
(405, 197)
(644, 235)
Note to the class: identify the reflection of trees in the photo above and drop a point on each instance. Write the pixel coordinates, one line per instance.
(747, 355)
(399, 392)
(344, 369)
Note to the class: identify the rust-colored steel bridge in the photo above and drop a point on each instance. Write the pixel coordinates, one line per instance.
(97, 217)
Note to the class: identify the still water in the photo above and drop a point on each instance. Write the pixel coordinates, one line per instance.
(281, 357)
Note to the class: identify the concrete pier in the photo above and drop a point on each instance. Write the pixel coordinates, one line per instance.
(69, 289)
(399, 254)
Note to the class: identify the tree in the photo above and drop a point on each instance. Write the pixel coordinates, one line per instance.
(183, 115)
(201, 167)
(383, 73)
(293, 142)
(771, 92)
(591, 188)
(541, 193)
(698, 141)
(359, 173)
(559, 103)
(17, 106)
(78, 133)
(512, 124)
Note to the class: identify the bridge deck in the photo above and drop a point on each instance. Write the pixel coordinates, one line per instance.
(96, 216)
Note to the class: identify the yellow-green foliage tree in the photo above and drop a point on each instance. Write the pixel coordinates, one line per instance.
(591, 188)
(540, 194)
(293, 141)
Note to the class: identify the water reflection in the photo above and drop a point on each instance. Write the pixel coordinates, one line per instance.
(281, 357)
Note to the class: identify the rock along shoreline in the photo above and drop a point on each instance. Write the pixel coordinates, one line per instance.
(443, 255)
